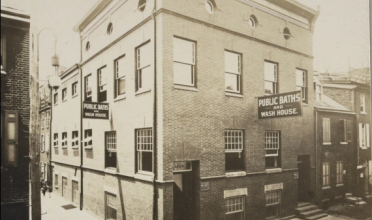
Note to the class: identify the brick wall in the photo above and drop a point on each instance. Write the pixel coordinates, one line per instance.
(14, 184)
(343, 96)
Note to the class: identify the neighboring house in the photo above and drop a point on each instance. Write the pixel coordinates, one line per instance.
(336, 148)
(45, 122)
(15, 113)
(165, 118)
(353, 90)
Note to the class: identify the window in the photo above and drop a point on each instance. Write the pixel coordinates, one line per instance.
(64, 139)
(183, 62)
(272, 149)
(349, 129)
(110, 206)
(286, 33)
(74, 89)
(232, 72)
(75, 139)
(234, 143)
(234, 208)
(273, 200)
(210, 6)
(339, 173)
(42, 170)
(110, 153)
(364, 135)
(42, 121)
(144, 71)
(10, 147)
(42, 143)
(47, 119)
(64, 94)
(88, 89)
(362, 103)
(326, 130)
(102, 85)
(87, 46)
(119, 77)
(318, 91)
(301, 83)
(56, 98)
(253, 22)
(326, 177)
(144, 149)
(345, 130)
(88, 142)
(110, 28)
(56, 181)
(3, 54)
(142, 5)
(271, 78)
(55, 140)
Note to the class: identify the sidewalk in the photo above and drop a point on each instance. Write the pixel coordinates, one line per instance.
(51, 209)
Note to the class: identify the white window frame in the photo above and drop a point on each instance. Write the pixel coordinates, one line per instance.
(139, 69)
(118, 77)
(301, 83)
(273, 198)
(177, 61)
(64, 139)
(55, 140)
(274, 82)
(363, 103)
(364, 136)
(237, 73)
(102, 79)
(64, 94)
(75, 139)
(326, 178)
(74, 90)
(230, 145)
(339, 172)
(235, 205)
(110, 141)
(88, 139)
(88, 88)
(326, 130)
(144, 145)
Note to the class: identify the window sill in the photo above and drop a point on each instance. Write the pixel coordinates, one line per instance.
(55, 146)
(88, 147)
(340, 185)
(121, 97)
(364, 148)
(326, 187)
(111, 170)
(55, 104)
(142, 91)
(327, 143)
(274, 170)
(64, 100)
(363, 113)
(305, 104)
(64, 147)
(56, 187)
(235, 174)
(75, 148)
(74, 95)
(344, 143)
(234, 95)
(144, 176)
(189, 88)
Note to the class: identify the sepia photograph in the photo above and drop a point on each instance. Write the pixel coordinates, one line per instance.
(186, 110)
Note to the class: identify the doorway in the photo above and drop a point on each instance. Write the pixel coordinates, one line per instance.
(64, 186)
(75, 192)
(184, 194)
(304, 187)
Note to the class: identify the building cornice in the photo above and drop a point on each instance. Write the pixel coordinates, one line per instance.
(69, 71)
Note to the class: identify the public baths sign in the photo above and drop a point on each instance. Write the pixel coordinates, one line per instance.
(280, 105)
(95, 110)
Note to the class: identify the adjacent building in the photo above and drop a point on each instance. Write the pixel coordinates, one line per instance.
(161, 116)
(15, 113)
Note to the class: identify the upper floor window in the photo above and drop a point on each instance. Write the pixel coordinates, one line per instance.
(88, 142)
(234, 142)
(9, 137)
(88, 88)
(42, 120)
(271, 78)
(55, 140)
(64, 94)
(3, 54)
(102, 85)
(339, 173)
(42, 143)
(75, 139)
(183, 62)
(144, 149)
(144, 70)
(47, 119)
(326, 177)
(64, 139)
(326, 130)
(272, 149)
(345, 130)
(110, 153)
(364, 135)
(234, 207)
(119, 77)
(301, 83)
(56, 98)
(318, 92)
(232, 72)
(362, 103)
(74, 89)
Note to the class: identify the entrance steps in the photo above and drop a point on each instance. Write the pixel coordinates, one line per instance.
(309, 211)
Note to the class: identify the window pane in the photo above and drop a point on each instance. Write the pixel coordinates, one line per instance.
(183, 73)
(269, 88)
(231, 82)
(145, 78)
(299, 78)
(270, 72)
(11, 130)
(232, 62)
(183, 51)
(121, 86)
(146, 163)
(144, 56)
(11, 153)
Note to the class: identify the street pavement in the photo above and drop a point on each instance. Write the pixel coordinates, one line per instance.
(51, 209)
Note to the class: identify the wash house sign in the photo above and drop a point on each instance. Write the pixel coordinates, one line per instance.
(95, 110)
(280, 105)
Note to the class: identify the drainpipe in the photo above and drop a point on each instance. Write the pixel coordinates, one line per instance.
(50, 136)
(155, 198)
(316, 154)
(81, 124)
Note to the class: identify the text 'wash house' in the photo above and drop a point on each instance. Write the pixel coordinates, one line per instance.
(188, 110)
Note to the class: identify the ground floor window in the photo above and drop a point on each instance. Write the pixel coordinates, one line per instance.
(325, 173)
(75, 191)
(234, 208)
(144, 149)
(273, 203)
(339, 173)
(110, 206)
(56, 180)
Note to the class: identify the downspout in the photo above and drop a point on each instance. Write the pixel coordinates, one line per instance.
(81, 124)
(155, 198)
(316, 154)
(50, 137)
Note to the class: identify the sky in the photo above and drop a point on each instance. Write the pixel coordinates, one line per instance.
(340, 40)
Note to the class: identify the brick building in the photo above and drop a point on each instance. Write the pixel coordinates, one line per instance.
(175, 85)
(352, 90)
(15, 113)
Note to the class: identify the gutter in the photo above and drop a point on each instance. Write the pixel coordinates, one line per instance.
(81, 125)
(155, 195)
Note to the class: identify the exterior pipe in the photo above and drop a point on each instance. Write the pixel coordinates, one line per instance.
(50, 137)
(81, 124)
(155, 196)
(316, 154)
